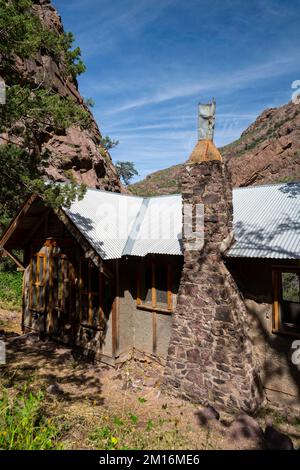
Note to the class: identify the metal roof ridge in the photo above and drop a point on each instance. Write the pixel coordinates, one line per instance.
(160, 196)
(266, 185)
(136, 227)
(114, 193)
(133, 195)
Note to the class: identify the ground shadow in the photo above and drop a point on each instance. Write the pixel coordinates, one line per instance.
(31, 361)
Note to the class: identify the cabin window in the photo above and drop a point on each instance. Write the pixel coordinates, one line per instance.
(37, 282)
(61, 273)
(155, 286)
(286, 306)
(95, 295)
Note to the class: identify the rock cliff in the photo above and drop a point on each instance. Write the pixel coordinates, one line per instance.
(75, 150)
(269, 150)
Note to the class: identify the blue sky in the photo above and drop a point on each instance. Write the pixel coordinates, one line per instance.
(149, 62)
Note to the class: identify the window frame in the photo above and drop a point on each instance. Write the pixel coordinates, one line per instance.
(63, 278)
(277, 325)
(142, 305)
(91, 295)
(37, 283)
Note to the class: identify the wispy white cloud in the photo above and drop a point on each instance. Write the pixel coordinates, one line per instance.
(222, 83)
(110, 22)
(150, 61)
(177, 122)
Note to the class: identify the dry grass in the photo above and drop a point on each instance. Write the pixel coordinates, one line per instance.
(104, 408)
(95, 410)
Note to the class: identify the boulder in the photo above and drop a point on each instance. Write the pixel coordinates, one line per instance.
(245, 427)
(54, 389)
(64, 355)
(276, 440)
(32, 338)
(206, 414)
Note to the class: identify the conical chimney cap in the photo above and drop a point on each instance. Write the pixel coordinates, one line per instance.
(205, 150)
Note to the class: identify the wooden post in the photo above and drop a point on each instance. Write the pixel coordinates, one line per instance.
(276, 304)
(50, 306)
(153, 288)
(138, 283)
(115, 312)
(30, 288)
(154, 333)
(154, 329)
(72, 301)
(43, 283)
(169, 281)
(23, 301)
(90, 297)
(80, 290)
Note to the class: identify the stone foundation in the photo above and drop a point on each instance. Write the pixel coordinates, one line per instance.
(210, 357)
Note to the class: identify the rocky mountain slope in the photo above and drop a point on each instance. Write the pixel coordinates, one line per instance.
(267, 152)
(75, 151)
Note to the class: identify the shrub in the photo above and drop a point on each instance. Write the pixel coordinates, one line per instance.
(130, 431)
(10, 289)
(23, 425)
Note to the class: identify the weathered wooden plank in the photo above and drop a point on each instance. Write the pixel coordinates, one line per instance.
(276, 305)
(153, 287)
(169, 286)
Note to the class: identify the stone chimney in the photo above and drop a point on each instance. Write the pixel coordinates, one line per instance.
(210, 357)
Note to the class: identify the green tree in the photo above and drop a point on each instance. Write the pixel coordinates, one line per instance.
(126, 171)
(23, 35)
(89, 102)
(108, 143)
(33, 108)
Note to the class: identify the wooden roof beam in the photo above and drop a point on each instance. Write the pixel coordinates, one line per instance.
(16, 221)
(15, 259)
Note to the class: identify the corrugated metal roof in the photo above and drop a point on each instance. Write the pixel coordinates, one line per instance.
(117, 224)
(106, 220)
(266, 222)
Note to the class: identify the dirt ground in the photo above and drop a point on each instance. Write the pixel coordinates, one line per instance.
(10, 321)
(98, 404)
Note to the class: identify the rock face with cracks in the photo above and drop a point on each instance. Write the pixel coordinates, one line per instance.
(75, 151)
